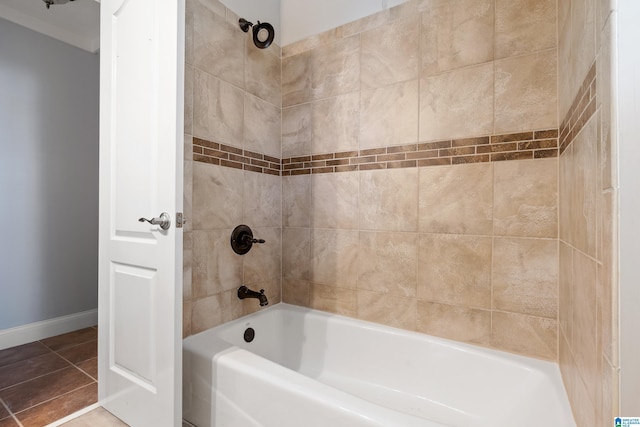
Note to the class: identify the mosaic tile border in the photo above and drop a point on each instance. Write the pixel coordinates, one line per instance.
(225, 155)
(539, 144)
(582, 108)
(514, 146)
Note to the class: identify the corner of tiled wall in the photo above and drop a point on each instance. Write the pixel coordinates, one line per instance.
(232, 127)
(588, 335)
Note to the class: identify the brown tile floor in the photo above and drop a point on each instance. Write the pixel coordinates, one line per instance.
(46, 380)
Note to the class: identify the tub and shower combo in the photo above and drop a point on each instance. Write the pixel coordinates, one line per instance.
(288, 366)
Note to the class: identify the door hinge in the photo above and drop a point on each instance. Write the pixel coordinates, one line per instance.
(180, 220)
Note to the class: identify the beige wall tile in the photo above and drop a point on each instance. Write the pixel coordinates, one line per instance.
(388, 200)
(218, 47)
(262, 200)
(453, 322)
(526, 92)
(218, 110)
(211, 184)
(296, 131)
(567, 364)
(187, 263)
(334, 257)
(188, 32)
(455, 269)
(565, 290)
(389, 115)
(387, 263)
(231, 306)
(525, 276)
(377, 20)
(334, 200)
(207, 313)
(606, 291)
(457, 104)
(263, 261)
(608, 166)
(456, 34)
(296, 201)
(232, 18)
(333, 299)
(583, 40)
(524, 26)
(188, 149)
(456, 199)
(610, 386)
(309, 43)
(188, 99)
(199, 264)
(584, 344)
(583, 407)
(533, 336)
(216, 267)
(296, 79)
(187, 195)
(526, 198)
(565, 78)
(262, 72)
(295, 292)
(262, 126)
(391, 53)
(583, 190)
(296, 256)
(186, 318)
(565, 183)
(335, 68)
(387, 309)
(334, 124)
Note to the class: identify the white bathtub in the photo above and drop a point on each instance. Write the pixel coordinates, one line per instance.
(307, 368)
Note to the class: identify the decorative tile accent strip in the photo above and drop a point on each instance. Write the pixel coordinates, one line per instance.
(514, 146)
(225, 155)
(582, 108)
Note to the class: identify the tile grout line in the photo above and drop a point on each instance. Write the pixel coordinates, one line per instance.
(76, 366)
(35, 357)
(53, 398)
(35, 378)
(11, 414)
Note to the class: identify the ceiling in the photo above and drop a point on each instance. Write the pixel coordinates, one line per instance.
(76, 23)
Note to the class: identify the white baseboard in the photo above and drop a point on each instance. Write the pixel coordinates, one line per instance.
(47, 328)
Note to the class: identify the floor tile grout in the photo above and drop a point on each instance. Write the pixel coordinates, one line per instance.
(49, 350)
(55, 397)
(38, 377)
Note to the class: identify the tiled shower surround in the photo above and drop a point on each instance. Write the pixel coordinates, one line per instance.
(398, 206)
(406, 169)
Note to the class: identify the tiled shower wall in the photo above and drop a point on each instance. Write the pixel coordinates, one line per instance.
(398, 206)
(232, 106)
(588, 298)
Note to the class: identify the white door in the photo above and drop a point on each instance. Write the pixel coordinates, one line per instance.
(140, 264)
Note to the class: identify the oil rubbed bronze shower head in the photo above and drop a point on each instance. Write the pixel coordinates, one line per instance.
(263, 33)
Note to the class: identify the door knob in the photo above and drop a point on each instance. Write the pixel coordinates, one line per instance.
(164, 221)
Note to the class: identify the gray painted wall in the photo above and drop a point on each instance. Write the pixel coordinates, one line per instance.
(49, 95)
